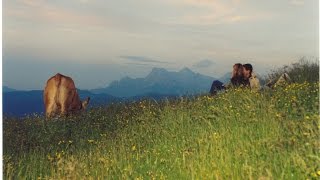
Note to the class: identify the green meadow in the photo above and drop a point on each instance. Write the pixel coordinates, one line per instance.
(237, 134)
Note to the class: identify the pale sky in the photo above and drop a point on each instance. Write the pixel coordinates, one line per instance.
(98, 41)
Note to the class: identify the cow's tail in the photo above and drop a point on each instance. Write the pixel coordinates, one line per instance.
(57, 79)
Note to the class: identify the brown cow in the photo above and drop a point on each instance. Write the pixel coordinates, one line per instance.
(60, 96)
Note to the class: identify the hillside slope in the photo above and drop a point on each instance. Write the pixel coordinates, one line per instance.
(238, 134)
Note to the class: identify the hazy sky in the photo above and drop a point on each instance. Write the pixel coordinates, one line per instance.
(97, 41)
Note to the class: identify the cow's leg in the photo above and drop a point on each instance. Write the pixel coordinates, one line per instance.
(63, 109)
(63, 99)
(51, 109)
(63, 106)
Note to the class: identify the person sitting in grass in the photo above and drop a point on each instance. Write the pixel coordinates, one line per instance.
(237, 79)
(250, 79)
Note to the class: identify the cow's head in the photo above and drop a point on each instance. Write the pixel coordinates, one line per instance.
(85, 103)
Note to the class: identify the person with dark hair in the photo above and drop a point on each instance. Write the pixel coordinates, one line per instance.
(236, 80)
(237, 75)
(250, 79)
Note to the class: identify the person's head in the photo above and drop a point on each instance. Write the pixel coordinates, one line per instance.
(237, 70)
(247, 70)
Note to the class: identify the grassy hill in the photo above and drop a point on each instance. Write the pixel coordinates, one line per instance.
(238, 134)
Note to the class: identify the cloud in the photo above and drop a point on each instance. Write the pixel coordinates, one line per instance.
(138, 64)
(40, 11)
(297, 2)
(176, 31)
(217, 12)
(204, 64)
(215, 19)
(84, 1)
(141, 59)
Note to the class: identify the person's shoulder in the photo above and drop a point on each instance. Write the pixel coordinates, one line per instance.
(254, 75)
(254, 81)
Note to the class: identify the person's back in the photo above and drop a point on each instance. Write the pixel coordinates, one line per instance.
(254, 82)
(216, 86)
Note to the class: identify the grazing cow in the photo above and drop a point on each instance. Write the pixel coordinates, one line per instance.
(60, 96)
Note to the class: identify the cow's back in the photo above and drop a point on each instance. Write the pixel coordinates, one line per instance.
(66, 92)
(51, 89)
(60, 93)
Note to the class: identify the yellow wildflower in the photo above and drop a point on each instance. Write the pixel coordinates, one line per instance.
(49, 157)
(58, 155)
(314, 175)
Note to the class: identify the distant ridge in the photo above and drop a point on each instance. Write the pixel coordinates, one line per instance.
(7, 89)
(160, 81)
(21, 103)
(158, 84)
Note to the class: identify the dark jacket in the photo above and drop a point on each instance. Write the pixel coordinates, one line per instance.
(216, 86)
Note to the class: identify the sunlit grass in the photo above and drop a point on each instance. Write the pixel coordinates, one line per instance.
(237, 134)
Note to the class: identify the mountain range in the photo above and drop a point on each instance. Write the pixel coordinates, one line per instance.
(158, 84)
(21, 103)
(160, 81)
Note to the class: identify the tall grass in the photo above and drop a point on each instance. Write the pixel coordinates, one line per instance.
(305, 70)
(237, 134)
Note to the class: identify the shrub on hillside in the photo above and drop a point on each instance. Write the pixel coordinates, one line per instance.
(305, 70)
